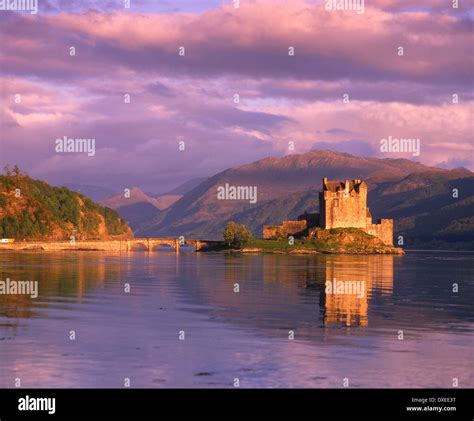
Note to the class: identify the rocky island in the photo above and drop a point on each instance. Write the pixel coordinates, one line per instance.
(343, 225)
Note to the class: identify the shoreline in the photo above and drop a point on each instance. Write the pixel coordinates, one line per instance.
(216, 247)
(246, 250)
(298, 252)
(393, 252)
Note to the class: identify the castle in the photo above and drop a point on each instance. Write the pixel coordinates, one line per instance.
(341, 205)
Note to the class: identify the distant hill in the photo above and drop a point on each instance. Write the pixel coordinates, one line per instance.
(96, 193)
(426, 213)
(137, 214)
(40, 211)
(139, 207)
(186, 187)
(136, 196)
(166, 200)
(398, 188)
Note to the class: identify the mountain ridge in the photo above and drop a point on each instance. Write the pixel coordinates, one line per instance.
(296, 179)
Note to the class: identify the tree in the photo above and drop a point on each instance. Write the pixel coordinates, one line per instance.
(244, 234)
(16, 170)
(230, 232)
(7, 170)
(236, 234)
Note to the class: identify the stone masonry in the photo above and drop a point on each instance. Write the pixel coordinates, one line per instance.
(294, 228)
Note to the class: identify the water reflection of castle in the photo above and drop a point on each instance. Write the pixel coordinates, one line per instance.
(293, 280)
(348, 285)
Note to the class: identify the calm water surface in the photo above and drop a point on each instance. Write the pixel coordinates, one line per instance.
(243, 334)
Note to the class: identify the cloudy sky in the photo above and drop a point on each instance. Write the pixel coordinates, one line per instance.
(229, 51)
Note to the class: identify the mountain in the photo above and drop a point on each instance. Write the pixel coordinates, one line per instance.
(430, 210)
(166, 200)
(32, 209)
(137, 214)
(425, 212)
(186, 187)
(200, 213)
(95, 193)
(139, 207)
(135, 196)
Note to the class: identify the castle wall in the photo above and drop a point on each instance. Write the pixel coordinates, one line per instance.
(270, 231)
(284, 230)
(382, 230)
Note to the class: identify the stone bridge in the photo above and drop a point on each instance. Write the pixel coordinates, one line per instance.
(149, 244)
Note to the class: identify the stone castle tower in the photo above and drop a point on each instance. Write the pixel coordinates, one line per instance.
(341, 205)
(344, 205)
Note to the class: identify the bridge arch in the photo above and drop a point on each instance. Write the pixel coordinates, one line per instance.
(162, 247)
(138, 246)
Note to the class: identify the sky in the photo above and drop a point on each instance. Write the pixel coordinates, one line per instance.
(345, 88)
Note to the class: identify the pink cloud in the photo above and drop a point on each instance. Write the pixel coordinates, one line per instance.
(250, 40)
(230, 51)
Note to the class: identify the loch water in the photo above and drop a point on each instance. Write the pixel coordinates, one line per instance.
(165, 319)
